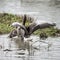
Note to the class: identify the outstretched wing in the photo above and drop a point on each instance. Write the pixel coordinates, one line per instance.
(41, 26)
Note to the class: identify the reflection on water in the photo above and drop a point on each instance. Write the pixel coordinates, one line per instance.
(16, 49)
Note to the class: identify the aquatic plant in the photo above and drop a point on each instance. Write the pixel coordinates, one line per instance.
(48, 31)
(6, 19)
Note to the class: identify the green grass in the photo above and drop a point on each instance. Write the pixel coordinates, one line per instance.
(49, 31)
(6, 20)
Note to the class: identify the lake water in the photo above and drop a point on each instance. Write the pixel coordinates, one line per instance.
(16, 49)
(48, 49)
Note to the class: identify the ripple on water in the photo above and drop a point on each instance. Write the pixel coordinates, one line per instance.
(43, 53)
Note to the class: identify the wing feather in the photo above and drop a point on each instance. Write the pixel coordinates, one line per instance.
(41, 26)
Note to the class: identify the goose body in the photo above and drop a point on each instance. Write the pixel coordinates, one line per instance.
(31, 28)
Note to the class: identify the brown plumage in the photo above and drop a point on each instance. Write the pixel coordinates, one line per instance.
(33, 27)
